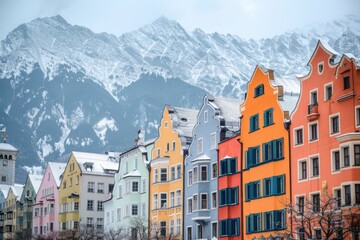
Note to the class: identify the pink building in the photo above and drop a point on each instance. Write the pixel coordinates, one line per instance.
(46, 207)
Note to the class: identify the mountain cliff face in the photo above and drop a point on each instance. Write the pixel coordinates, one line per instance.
(64, 87)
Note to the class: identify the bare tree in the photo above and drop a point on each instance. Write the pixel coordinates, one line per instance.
(325, 218)
(115, 234)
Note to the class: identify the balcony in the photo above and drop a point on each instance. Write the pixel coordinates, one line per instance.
(313, 111)
(201, 216)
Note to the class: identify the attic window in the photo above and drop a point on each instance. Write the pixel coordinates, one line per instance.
(259, 90)
(320, 68)
(88, 165)
(183, 119)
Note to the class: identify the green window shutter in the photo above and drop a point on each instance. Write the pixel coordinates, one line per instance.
(248, 224)
(274, 188)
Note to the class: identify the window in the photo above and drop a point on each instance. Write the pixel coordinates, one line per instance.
(178, 226)
(135, 186)
(328, 92)
(334, 124)
(173, 145)
(90, 205)
(213, 141)
(213, 200)
(172, 223)
(190, 180)
(214, 170)
(162, 229)
(313, 132)
(118, 214)
(167, 147)
(206, 116)
(299, 136)
(156, 175)
(100, 206)
(172, 173)
(91, 186)
(273, 150)
(190, 209)
(178, 171)
(313, 98)
(346, 82)
(189, 232)
(199, 231)
(314, 166)
(158, 152)
(195, 202)
(172, 199)
(229, 196)
(320, 67)
(357, 193)
(111, 187)
(357, 155)
(178, 197)
(134, 209)
(89, 222)
(227, 166)
(163, 175)
(336, 160)
(100, 188)
(254, 122)
(315, 199)
(252, 156)
(204, 173)
(347, 192)
(214, 230)
(259, 90)
(346, 156)
(253, 223)
(338, 197)
(200, 145)
(317, 233)
(300, 204)
(120, 191)
(268, 117)
(274, 185)
(195, 174)
(163, 200)
(155, 201)
(144, 185)
(357, 115)
(268, 221)
(204, 201)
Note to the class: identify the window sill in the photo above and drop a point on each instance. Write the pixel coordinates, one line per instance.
(268, 125)
(251, 131)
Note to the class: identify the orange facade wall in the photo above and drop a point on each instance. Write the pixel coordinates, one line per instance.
(230, 148)
(343, 103)
(257, 105)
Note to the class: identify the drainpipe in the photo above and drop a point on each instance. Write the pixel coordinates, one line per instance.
(242, 183)
(150, 198)
(287, 127)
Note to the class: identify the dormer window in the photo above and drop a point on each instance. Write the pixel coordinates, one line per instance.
(320, 68)
(88, 166)
(259, 90)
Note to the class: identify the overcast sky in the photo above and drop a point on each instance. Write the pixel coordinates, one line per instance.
(246, 18)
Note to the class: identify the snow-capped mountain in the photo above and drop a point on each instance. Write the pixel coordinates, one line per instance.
(64, 87)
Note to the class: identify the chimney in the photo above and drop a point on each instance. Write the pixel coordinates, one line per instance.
(271, 74)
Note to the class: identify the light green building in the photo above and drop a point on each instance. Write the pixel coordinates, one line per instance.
(127, 210)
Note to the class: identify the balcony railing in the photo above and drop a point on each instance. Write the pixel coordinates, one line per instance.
(313, 111)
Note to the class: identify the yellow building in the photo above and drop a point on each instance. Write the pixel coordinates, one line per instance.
(86, 183)
(166, 174)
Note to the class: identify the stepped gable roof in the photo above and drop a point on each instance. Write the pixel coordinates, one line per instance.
(94, 163)
(36, 181)
(7, 147)
(229, 108)
(57, 169)
(184, 120)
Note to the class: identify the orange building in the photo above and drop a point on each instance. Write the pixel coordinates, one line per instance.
(325, 136)
(166, 173)
(266, 159)
(229, 182)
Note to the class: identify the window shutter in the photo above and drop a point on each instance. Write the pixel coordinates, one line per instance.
(236, 195)
(248, 224)
(274, 188)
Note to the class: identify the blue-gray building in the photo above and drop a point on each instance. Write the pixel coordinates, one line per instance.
(218, 119)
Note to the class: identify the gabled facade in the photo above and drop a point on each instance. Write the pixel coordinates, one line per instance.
(217, 120)
(229, 189)
(266, 159)
(27, 199)
(86, 183)
(166, 172)
(130, 197)
(325, 136)
(46, 205)
(12, 206)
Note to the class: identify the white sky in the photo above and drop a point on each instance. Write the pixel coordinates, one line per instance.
(246, 18)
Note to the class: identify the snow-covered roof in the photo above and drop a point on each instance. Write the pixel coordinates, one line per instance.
(57, 169)
(17, 190)
(184, 120)
(291, 88)
(202, 157)
(351, 56)
(98, 163)
(7, 147)
(36, 181)
(328, 47)
(134, 173)
(230, 108)
(289, 102)
(4, 188)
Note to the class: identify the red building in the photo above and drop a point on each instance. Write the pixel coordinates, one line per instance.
(229, 188)
(325, 141)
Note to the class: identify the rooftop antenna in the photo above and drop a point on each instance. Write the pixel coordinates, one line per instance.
(3, 132)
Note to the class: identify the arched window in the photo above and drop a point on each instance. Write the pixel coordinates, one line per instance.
(1, 156)
(10, 157)
(5, 156)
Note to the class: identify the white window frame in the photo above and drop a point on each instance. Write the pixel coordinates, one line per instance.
(213, 140)
(166, 203)
(207, 173)
(212, 200)
(178, 198)
(206, 116)
(297, 200)
(318, 67)
(296, 144)
(331, 125)
(300, 170)
(310, 132)
(317, 95)
(212, 170)
(333, 171)
(201, 199)
(195, 180)
(172, 199)
(188, 205)
(314, 193)
(190, 183)
(326, 98)
(200, 145)
(211, 229)
(155, 200)
(357, 108)
(311, 166)
(195, 203)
